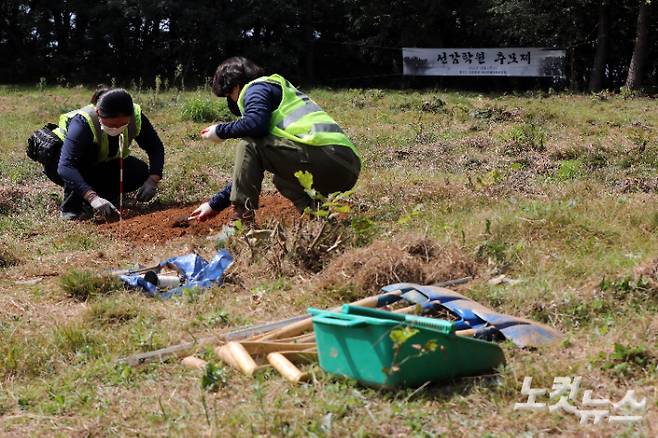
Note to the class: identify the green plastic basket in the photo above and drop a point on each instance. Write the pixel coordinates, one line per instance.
(359, 343)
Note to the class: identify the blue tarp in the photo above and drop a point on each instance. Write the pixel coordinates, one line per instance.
(195, 271)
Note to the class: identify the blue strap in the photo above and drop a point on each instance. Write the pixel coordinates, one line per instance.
(467, 318)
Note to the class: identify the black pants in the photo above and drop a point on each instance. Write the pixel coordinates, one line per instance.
(104, 179)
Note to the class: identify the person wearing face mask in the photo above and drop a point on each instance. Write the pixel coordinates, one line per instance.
(89, 163)
(283, 131)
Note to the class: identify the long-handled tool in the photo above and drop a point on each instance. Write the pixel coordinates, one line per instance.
(286, 344)
(239, 355)
(390, 296)
(120, 177)
(194, 362)
(285, 363)
(282, 354)
(522, 332)
(290, 328)
(118, 272)
(282, 361)
(186, 347)
(307, 324)
(249, 332)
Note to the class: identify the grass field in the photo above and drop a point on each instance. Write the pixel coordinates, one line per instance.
(557, 192)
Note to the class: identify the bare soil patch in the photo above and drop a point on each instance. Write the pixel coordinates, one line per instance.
(164, 225)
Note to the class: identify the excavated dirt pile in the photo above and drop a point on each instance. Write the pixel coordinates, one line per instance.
(161, 226)
(411, 258)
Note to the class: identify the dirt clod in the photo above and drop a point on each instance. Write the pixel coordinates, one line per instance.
(181, 221)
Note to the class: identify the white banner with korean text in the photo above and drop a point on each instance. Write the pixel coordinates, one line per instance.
(523, 61)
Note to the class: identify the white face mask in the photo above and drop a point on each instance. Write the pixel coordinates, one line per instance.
(113, 132)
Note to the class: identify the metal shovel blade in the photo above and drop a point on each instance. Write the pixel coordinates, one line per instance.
(522, 332)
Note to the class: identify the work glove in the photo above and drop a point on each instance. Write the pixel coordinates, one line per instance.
(103, 206)
(210, 133)
(147, 191)
(203, 212)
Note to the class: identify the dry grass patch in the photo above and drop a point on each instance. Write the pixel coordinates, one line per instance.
(637, 184)
(8, 258)
(408, 258)
(649, 272)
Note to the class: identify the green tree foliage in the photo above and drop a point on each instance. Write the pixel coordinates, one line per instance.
(573, 25)
(338, 42)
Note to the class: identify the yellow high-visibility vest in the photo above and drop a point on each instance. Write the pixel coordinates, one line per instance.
(299, 119)
(101, 138)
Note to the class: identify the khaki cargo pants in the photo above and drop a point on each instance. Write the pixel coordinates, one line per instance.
(334, 169)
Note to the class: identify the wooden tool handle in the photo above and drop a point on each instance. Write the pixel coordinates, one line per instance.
(307, 324)
(293, 329)
(235, 355)
(371, 301)
(225, 356)
(303, 338)
(263, 347)
(466, 332)
(242, 358)
(194, 362)
(408, 310)
(304, 356)
(286, 368)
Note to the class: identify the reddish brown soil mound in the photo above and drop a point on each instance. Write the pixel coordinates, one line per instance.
(164, 225)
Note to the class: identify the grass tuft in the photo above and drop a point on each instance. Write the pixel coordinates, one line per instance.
(199, 109)
(630, 290)
(627, 361)
(569, 169)
(111, 311)
(74, 341)
(214, 377)
(83, 285)
(8, 258)
(526, 137)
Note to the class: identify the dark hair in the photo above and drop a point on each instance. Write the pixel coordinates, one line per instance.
(234, 71)
(100, 90)
(113, 102)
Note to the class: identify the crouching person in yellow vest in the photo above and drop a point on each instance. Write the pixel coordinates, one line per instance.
(283, 131)
(91, 157)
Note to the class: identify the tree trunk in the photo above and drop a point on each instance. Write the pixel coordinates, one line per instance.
(635, 69)
(573, 74)
(598, 65)
(307, 26)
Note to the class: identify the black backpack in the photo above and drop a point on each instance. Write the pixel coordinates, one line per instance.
(44, 146)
